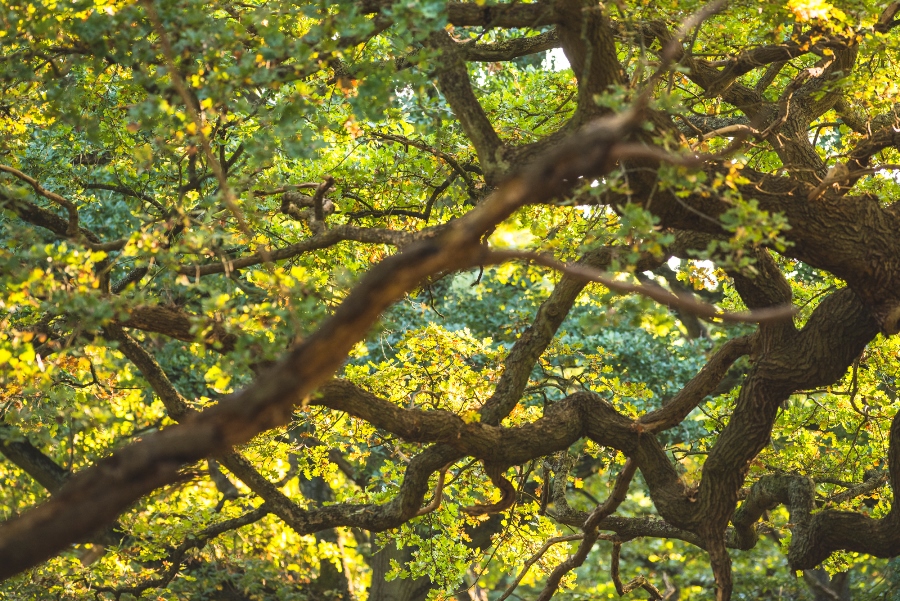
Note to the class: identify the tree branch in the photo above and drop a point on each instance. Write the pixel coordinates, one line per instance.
(176, 558)
(506, 50)
(698, 388)
(447, 158)
(500, 15)
(318, 241)
(534, 559)
(453, 81)
(99, 493)
(72, 228)
(171, 321)
(49, 220)
(587, 40)
(590, 530)
(31, 460)
(640, 581)
(688, 304)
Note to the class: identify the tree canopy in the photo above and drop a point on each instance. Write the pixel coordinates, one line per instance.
(445, 300)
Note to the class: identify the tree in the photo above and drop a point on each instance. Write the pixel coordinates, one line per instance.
(278, 277)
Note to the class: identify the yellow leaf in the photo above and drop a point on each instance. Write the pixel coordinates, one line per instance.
(471, 416)
(143, 153)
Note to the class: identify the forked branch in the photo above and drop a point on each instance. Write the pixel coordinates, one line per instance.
(620, 489)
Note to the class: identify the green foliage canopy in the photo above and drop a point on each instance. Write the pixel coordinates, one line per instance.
(408, 300)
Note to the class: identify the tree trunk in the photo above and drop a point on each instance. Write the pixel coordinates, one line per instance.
(332, 582)
(836, 588)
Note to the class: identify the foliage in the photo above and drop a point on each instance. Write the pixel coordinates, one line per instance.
(240, 242)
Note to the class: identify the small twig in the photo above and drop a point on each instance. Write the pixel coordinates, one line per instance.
(640, 581)
(737, 129)
(670, 588)
(590, 529)
(688, 304)
(819, 126)
(673, 47)
(854, 389)
(545, 489)
(875, 169)
(125, 191)
(534, 558)
(784, 103)
(840, 174)
(836, 176)
(626, 151)
(438, 492)
(820, 589)
(447, 158)
(287, 188)
(172, 564)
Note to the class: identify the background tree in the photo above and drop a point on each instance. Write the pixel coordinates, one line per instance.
(324, 300)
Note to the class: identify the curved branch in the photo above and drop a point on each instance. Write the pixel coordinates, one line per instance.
(72, 228)
(550, 316)
(620, 489)
(506, 50)
(176, 405)
(819, 354)
(438, 494)
(640, 581)
(698, 388)
(684, 303)
(816, 535)
(178, 409)
(507, 499)
(173, 322)
(31, 460)
(325, 239)
(49, 220)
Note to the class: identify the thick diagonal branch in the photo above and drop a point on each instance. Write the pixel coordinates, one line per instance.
(99, 493)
